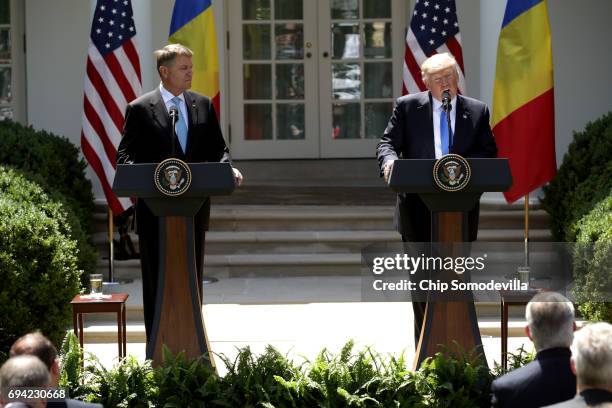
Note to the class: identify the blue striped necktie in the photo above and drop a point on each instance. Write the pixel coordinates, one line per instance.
(180, 125)
(444, 132)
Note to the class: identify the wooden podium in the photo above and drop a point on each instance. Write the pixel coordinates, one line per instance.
(448, 321)
(178, 322)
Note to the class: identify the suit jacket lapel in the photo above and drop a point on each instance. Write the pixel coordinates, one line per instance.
(192, 113)
(159, 112)
(462, 117)
(425, 129)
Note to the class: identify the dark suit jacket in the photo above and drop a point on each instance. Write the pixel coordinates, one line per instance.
(592, 397)
(410, 135)
(147, 138)
(546, 380)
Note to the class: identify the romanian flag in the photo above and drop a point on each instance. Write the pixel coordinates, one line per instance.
(193, 25)
(523, 97)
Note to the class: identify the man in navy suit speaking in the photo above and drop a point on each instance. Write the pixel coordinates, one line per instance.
(418, 129)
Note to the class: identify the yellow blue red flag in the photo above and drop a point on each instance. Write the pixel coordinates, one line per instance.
(523, 96)
(193, 25)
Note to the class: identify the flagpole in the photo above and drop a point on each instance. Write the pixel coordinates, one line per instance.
(527, 229)
(111, 249)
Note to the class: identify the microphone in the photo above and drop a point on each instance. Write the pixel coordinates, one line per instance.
(173, 112)
(446, 101)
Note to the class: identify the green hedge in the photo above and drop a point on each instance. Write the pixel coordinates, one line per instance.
(54, 163)
(578, 202)
(583, 179)
(38, 265)
(593, 262)
(348, 379)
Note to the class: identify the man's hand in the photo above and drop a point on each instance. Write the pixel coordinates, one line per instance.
(237, 176)
(387, 168)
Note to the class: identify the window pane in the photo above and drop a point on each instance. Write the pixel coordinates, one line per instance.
(289, 39)
(5, 86)
(345, 9)
(258, 121)
(256, 41)
(255, 9)
(257, 81)
(5, 45)
(377, 40)
(290, 81)
(288, 9)
(290, 121)
(378, 80)
(346, 81)
(346, 121)
(376, 9)
(376, 118)
(5, 12)
(345, 40)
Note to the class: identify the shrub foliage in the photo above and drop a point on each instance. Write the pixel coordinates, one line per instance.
(38, 265)
(348, 379)
(54, 163)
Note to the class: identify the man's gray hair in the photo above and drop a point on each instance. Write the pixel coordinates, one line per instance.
(22, 371)
(550, 317)
(592, 355)
(167, 55)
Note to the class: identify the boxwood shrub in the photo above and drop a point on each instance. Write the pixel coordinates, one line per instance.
(54, 163)
(583, 179)
(593, 262)
(38, 263)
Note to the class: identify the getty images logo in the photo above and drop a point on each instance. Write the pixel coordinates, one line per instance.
(411, 264)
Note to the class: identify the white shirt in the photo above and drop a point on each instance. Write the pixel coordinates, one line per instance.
(437, 111)
(167, 97)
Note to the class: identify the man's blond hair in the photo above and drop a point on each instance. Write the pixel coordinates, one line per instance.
(166, 56)
(438, 62)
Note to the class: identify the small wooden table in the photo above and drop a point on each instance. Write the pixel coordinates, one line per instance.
(511, 298)
(113, 304)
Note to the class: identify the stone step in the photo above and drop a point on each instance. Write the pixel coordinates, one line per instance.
(302, 264)
(321, 218)
(297, 242)
(97, 331)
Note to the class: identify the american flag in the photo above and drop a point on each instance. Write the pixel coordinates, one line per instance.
(434, 28)
(112, 81)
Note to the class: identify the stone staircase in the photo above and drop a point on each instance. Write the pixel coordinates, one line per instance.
(305, 240)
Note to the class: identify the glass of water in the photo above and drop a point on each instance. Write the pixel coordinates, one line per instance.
(95, 281)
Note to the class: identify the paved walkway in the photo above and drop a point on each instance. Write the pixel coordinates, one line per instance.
(302, 330)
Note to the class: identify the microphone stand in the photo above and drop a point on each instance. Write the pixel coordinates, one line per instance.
(449, 107)
(173, 112)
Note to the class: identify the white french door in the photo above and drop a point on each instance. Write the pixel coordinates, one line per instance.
(313, 78)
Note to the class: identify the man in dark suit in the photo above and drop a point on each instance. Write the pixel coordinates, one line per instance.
(36, 344)
(418, 130)
(148, 137)
(592, 363)
(548, 379)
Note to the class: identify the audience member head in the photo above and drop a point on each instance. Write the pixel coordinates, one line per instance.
(23, 371)
(38, 345)
(592, 356)
(550, 321)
